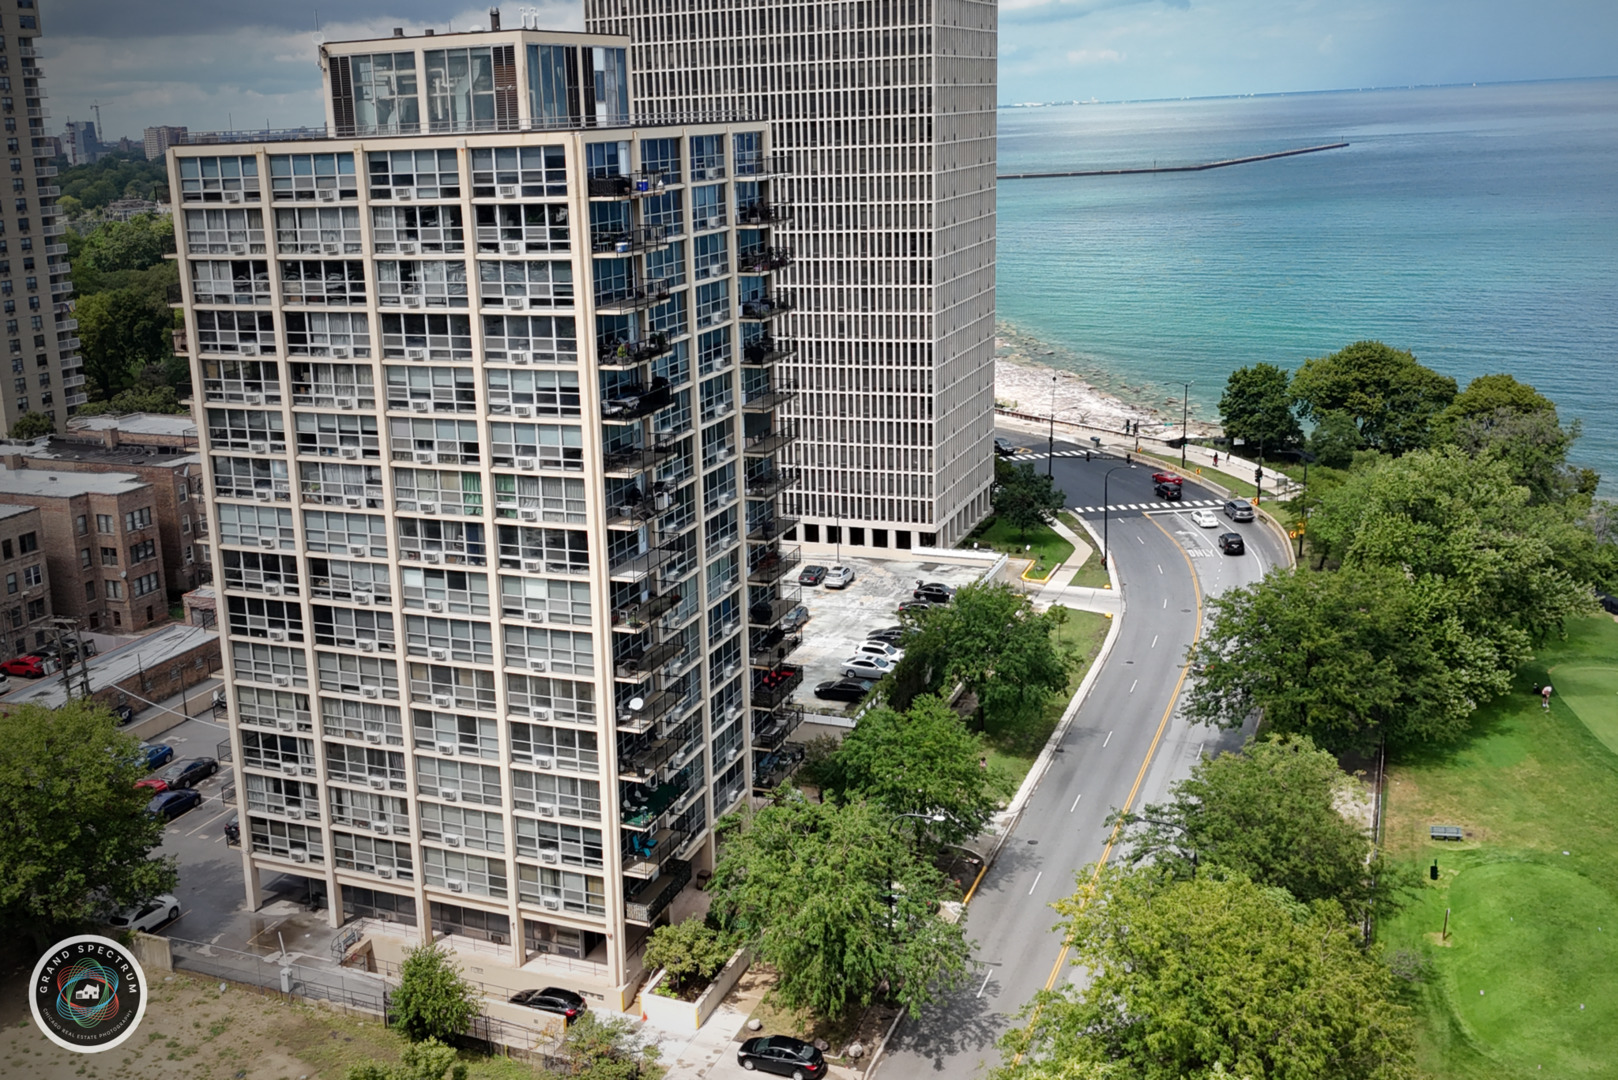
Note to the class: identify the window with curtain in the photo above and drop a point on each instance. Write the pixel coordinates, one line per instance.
(460, 89)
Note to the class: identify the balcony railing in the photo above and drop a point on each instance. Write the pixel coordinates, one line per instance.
(767, 443)
(618, 354)
(772, 687)
(771, 483)
(766, 307)
(626, 187)
(653, 707)
(767, 613)
(767, 648)
(762, 213)
(769, 398)
(638, 665)
(646, 852)
(645, 902)
(632, 299)
(769, 566)
(640, 761)
(762, 260)
(770, 528)
(643, 613)
(618, 241)
(633, 403)
(636, 566)
(763, 167)
(634, 460)
(766, 351)
(775, 728)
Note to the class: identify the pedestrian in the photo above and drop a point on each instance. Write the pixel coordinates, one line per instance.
(1216, 459)
(1545, 697)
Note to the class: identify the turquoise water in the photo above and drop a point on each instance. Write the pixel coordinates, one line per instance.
(1476, 227)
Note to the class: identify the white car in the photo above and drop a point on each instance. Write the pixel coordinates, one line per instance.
(1205, 519)
(839, 577)
(149, 916)
(880, 649)
(866, 667)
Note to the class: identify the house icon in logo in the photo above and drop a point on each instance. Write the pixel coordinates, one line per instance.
(88, 992)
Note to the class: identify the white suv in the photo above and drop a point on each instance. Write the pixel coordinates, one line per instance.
(839, 577)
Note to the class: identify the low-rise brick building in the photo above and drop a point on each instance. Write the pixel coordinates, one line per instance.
(25, 618)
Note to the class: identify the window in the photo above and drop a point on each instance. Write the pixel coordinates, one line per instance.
(6, 549)
(422, 283)
(527, 447)
(435, 442)
(246, 333)
(529, 228)
(536, 171)
(89, 590)
(287, 840)
(336, 484)
(256, 661)
(444, 492)
(466, 688)
(541, 648)
(273, 708)
(549, 101)
(277, 795)
(426, 337)
(434, 389)
(411, 230)
(469, 781)
(206, 179)
(81, 525)
(255, 382)
(384, 95)
(525, 284)
(473, 873)
(576, 845)
(455, 591)
(115, 590)
(348, 628)
(109, 556)
(11, 584)
(449, 639)
(138, 519)
(246, 281)
(340, 579)
(343, 435)
(253, 616)
(454, 542)
(318, 230)
(359, 765)
(263, 750)
(449, 733)
(461, 88)
(86, 559)
(334, 385)
(342, 533)
(139, 553)
(104, 523)
(224, 232)
(544, 339)
(431, 174)
(348, 674)
(578, 892)
(368, 854)
(545, 599)
(302, 176)
(146, 584)
(249, 478)
(327, 282)
(31, 576)
(565, 795)
(542, 498)
(545, 393)
(328, 333)
(548, 747)
(476, 829)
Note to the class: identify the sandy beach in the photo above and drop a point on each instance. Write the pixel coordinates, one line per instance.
(1023, 370)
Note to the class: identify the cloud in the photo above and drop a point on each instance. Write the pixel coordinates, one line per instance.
(1081, 57)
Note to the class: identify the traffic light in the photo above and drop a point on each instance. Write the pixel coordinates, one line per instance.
(1258, 475)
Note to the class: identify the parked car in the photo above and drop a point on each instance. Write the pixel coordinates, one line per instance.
(123, 714)
(1237, 510)
(233, 830)
(1005, 447)
(1231, 544)
(1167, 478)
(1171, 492)
(29, 667)
(188, 772)
(156, 755)
(890, 635)
(934, 592)
(148, 916)
(795, 618)
(1608, 602)
(812, 575)
(171, 804)
(784, 1056)
(866, 667)
(552, 999)
(1204, 519)
(839, 577)
(154, 784)
(914, 605)
(879, 648)
(851, 690)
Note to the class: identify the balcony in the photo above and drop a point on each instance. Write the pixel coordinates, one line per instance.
(630, 241)
(637, 714)
(768, 398)
(767, 648)
(627, 187)
(639, 615)
(645, 902)
(775, 728)
(638, 760)
(774, 767)
(763, 168)
(769, 566)
(772, 687)
(638, 565)
(767, 443)
(634, 460)
(641, 809)
(762, 260)
(762, 213)
(646, 852)
(770, 483)
(631, 403)
(630, 300)
(767, 306)
(181, 347)
(767, 613)
(45, 170)
(769, 529)
(61, 288)
(766, 351)
(638, 663)
(615, 355)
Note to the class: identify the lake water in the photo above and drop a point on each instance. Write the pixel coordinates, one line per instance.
(1475, 226)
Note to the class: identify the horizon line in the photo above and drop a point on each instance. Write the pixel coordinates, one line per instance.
(1300, 93)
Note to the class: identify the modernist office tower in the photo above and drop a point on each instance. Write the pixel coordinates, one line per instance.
(47, 375)
(489, 412)
(885, 110)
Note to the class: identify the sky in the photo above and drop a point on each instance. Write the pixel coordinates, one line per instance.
(232, 64)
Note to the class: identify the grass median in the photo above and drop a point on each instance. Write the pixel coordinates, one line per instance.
(1012, 757)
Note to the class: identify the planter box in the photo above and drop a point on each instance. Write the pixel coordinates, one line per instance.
(672, 1014)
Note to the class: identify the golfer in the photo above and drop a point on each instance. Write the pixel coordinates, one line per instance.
(1545, 697)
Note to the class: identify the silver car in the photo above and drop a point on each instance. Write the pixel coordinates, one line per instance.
(1237, 510)
(866, 667)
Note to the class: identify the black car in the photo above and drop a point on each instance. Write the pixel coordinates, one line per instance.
(171, 804)
(888, 635)
(552, 999)
(852, 690)
(1004, 447)
(188, 772)
(812, 575)
(1171, 492)
(934, 592)
(1608, 602)
(917, 606)
(784, 1056)
(1231, 543)
(1237, 510)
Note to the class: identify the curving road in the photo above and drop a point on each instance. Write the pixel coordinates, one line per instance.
(1125, 747)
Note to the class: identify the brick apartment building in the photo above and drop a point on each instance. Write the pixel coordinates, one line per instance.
(100, 536)
(25, 617)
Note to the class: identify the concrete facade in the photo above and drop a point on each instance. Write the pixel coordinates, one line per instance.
(886, 115)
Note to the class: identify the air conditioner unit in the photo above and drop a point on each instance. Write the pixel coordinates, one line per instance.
(506, 191)
(233, 196)
(525, 463)
(519, 356)
(413, 301)
(539, 665)
(545, 809)
(712, 223)
(362, 599)
(268, 543)
(294, 813)
(516, 303)
(350, 452)
(372, 692)
(426, 457)
(409, 247)
(455, 884)
(366, 645)
(435, 605)
(331, 249)
(375, 738)
(415, 354)
(443, 701)
(533, 566)
(281, 680)
(528, 514)
(432, 558)
(536, 616)
(449, 794)
(404, 193)
(427, 508)
(511, 247)
(544, 763)
(452, 840)
(300, 855)
(409, 553)
(277, 635)
(263, 494)
(247, 348)
(550, 856)
(446, 748)
(341, 352)
(378, 783)
(421, 406)
(272, 588)
(730, 628)
(258, 448)
(286, 725)
(384, 871)
(436, 653)
(541, 714)
(522, 410)
(325, 194)
(289, 768)
(552, 903)
(381, 828)
(238, 249)
(253, 399)
(354, 501)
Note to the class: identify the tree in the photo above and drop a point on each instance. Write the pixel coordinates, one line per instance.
(137, 399)
(31, 425)
(919, 761)
(689, 951)
(1346, 658)
(78, 840)
(427, 1060)
(991, 639)
(1189, 980)
(121, 330)
(1269, 814)
(609, 1048)
(1025, 499)
(135, 244)
(1335, 439)
(1257, 407)
(1391, 397)
(433, 1001)
(839, 905)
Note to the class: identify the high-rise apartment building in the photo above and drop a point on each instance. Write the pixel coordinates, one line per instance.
(886, 112)
(47, 375)
(159, 139)
(488, 397)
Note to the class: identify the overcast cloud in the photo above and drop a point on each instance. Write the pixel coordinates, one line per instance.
(209, 64)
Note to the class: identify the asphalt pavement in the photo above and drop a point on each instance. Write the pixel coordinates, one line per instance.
(1125, 747)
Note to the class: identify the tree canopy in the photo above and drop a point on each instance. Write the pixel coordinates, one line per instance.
(1335, 439)
(689, 951)
(833, 898)
(1023, 497)
(918, 761)
(78, 839)
(428, 1060)
(115, 176)
(1257, 407)
(31, 425)
(1392, 398)
(433, 1000)
(136, 244)
(1194, 979)
(122, 330)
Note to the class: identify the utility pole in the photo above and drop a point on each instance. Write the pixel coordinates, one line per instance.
(65, 633)
(1185, 419)
(1050, 456)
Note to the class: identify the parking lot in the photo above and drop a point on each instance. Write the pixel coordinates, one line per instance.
(840, 619)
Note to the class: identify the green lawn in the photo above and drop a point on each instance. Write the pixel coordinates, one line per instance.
(1012, 758)
(1524, 983)
(1048, 549)
(1093, 574)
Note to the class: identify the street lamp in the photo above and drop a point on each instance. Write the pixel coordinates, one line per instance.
(1050, 456)
(1185, 420)
(1106, 516)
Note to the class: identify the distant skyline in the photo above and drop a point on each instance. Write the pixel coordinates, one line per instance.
(210, 65)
